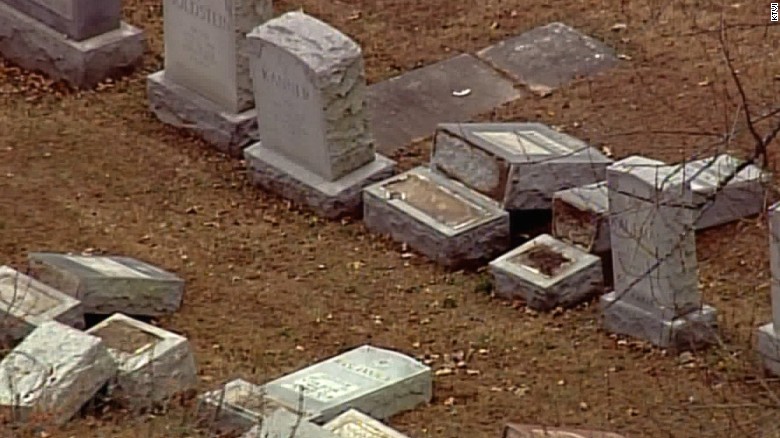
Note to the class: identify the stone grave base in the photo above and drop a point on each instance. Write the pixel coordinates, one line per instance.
(355, 423)
(276, 174)
(32, 45)
(769, 348)
(442, 219)
(179, 107)
(234, 408)
(282, 423)
(696, 329)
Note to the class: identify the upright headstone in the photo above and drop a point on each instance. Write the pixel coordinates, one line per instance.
(656, 296)
(315, 146)
(769, 334)
(206, 86)
(79, 41)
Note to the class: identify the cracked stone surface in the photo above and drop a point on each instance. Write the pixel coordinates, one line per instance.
(78, 19)
(32, 45)
(310, 88)
(53, 373)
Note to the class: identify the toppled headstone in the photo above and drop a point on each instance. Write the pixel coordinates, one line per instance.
(154, 364)
(520, 165)
(547, 273)
(656, 296)
(441, 218)
(550, 56)
(282, 423)
(769, 334)
(581, 216)
(27, 303)
(206, 86)
(513, 430)
(235, 407)
(355, 424)
(81, 42)
(315, 147)
(55, 371)
(378, 382)
(110, 284)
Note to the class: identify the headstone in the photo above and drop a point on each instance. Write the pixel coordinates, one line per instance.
(154, 364)
(315, 147)
(282, 423)
(442, 219)
(234, 408)
(81, 42)
(28, 303)
(378, 382)
(520, 165)
(355, 424)
(656, 296)
(549, 57)
(769, 334)
(206, 86)
(513, 430)
(547, 273)
(53, 373)
(110, 284)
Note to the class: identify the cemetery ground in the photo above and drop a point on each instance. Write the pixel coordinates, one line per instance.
(271, 289)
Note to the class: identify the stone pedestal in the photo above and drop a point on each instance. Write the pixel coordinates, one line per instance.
(581, 216)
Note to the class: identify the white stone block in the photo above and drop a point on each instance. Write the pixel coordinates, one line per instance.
(235, 407)
(154, 364)
(355, 424)
(282, 423)
(27, 303)
(53, 373)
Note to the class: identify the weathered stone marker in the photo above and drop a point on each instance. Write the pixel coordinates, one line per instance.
(520, 165)
(206, 86)
(26, 303)
(378, 382)
(355, 424)
(316, 149)
(441, 218)
(79, 41)
(656, 296)
(154, 364)
(547, 273)
(110, 284)
(234, 408)
(769, 334)
(53, 373)
(581, 216)
(282, 423)
(513, 430)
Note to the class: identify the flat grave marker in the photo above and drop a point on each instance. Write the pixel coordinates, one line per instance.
(355, 424)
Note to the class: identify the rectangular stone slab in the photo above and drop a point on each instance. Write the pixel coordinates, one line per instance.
(376, 381)
(78, 19)
(53, 373)
(581, 216)
(514, 430)
(154, 364)
(27, 303)
(550, 56)
(109, 284)
(282, 423)
(82, 64)
(408, 107)
(355, 424)
(440, 218)
(234, 408)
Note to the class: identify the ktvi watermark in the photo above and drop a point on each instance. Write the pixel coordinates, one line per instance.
(773, 12)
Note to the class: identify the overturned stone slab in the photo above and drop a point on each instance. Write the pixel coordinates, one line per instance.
(282, 423)
(53, 373)
(547, 273)
(26, 303)
(234, 408)
(110, 284)
(549, 57)
(519, 165)
(513, 430)
(378, 382)
(83, 63)
(154, 364)
(441, 218)
(354, 423)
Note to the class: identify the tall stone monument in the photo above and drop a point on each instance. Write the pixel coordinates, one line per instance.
(769, 334)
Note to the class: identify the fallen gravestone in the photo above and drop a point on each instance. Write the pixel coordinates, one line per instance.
(769, 334)
(28, 303)
(355, 424)
(547, 273)
(154, 364)
(656, 296)
(234, 408)
(316, 149)
(206, 86)
(549, 57)
(282, 423)
(441, 218)
(410, 106)
(581, 216)
(53, 373)
(513, 430)
(520, 165)
(110, 284)
(378, 382)
(79, 41)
